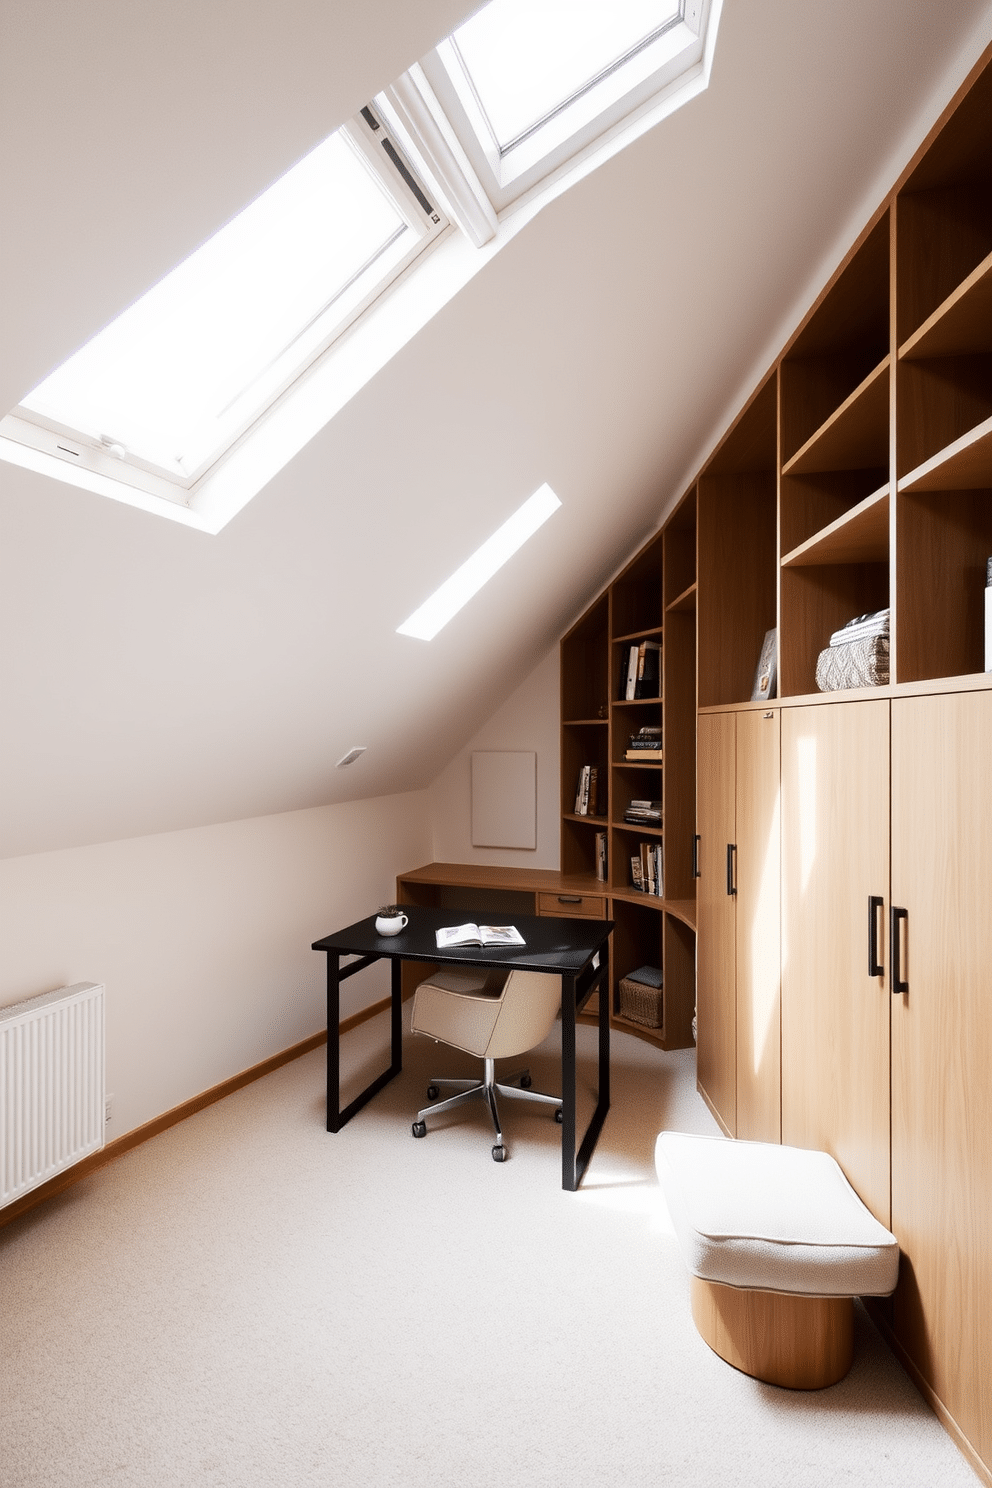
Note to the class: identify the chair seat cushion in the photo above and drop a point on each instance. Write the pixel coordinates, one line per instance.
(779, 1219)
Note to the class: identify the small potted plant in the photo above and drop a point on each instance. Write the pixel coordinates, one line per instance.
(389, 919)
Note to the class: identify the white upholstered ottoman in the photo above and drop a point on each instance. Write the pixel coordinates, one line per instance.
(778, 1243)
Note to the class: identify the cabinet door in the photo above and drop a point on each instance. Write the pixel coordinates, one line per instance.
(759, 1110)
(942, 1048)
(835, 1016)
(716, 973)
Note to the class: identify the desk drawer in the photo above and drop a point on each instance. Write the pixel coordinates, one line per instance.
(584, 906)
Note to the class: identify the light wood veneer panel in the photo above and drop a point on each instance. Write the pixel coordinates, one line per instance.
(800, 1343)
(759, 1110)
(716, 974)
(942, 1049)
(835, 1017)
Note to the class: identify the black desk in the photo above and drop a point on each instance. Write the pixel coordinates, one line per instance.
(564, 947)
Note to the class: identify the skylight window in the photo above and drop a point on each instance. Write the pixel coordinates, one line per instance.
(528, 84)
(528, 59)
(487, 560)
(173, 380)
(198, 394)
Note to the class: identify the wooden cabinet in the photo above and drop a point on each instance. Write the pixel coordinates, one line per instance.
(942, 1050)
(716, 964)
(738, 1039)
(835, 883)
(857, 477)
(759, 1081)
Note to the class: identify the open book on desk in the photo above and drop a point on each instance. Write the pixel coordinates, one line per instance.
(480, 935)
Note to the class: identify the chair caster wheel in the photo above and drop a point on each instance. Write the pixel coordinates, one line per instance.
(420, 1128)
(558, 1116)
(525, 1082)
(432, 1092)
(499, 1152)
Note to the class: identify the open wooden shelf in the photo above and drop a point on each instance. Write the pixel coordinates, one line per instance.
(965, 465)
(962, 325)
(685, 603)
(859, 536)
(654, 633)
(855, 436)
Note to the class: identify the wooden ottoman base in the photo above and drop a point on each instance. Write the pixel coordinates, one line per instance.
(802, 1343)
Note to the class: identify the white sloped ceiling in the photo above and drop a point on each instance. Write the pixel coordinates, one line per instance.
(152, 677)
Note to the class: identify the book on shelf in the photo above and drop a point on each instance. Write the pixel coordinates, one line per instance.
(587, 792)
(648, 813)
(647, 871)
(645, 744)
(643, 671)
(480, 935)
(601, 856)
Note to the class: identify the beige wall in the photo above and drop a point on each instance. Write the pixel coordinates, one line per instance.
(203, 937)
(527, 720)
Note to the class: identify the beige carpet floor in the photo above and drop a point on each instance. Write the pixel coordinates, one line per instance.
(246, 1300)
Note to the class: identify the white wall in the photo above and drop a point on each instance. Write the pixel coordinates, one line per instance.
(527, 720)
(203, 937)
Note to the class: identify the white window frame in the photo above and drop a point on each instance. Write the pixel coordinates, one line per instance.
(439, 158)
(508, 174)
(86, 450)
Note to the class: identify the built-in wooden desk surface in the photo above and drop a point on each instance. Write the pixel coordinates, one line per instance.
(477, 889)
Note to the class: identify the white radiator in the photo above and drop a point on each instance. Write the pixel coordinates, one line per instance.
(51, 1085)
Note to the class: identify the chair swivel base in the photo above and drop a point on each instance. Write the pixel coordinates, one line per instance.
(486, 1088)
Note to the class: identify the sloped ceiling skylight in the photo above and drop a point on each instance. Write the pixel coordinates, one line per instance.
(195, 396)
(527, 59)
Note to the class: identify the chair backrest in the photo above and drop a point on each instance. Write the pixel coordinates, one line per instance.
(528, 1008)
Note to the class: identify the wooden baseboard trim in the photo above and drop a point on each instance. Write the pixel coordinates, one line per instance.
(950, 1425)
(152, 1128)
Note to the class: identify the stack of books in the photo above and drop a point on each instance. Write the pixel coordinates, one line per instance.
(644, 813)
(645, 744)
(641, 676)
(647, 869)
(587, 792)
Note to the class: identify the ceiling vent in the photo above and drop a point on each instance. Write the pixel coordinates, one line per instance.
(351, 756)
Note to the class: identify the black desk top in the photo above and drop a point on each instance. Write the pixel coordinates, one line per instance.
(555, 943)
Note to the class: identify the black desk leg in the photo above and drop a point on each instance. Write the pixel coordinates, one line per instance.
(574, 1163)
(333, 1042)
(336, 1118)
(570, 1175)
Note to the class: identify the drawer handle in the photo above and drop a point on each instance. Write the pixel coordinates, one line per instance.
(875, 967)
(569, 898)
(895, 949)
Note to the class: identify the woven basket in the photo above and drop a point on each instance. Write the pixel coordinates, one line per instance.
(641, 1004)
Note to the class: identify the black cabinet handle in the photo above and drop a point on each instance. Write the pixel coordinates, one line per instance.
(731, 867)
(695, 856)
(875, 967)
(895, 950)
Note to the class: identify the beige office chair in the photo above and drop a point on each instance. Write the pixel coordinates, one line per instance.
(493, 1015)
